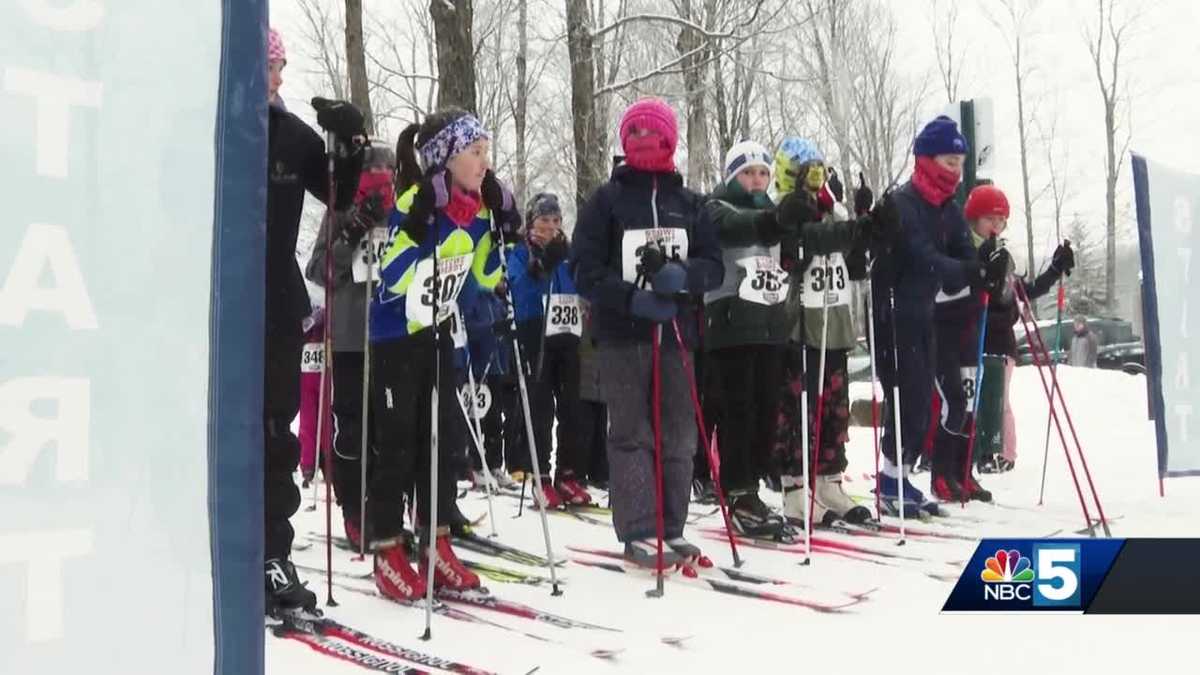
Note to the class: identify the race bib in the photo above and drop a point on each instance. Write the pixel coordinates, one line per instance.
(312, 358)
(672, 240)
(828, 284)
(764, 281)
(478, 405)
(564, 315)
(968, 386)
(419, 300)
(370, 251)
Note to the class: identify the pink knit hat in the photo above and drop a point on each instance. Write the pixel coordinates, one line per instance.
(653, 114)
(275, 50)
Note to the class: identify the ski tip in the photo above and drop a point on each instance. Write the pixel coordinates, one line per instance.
(689, 571)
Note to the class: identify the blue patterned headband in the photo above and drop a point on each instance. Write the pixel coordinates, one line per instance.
(451, 140)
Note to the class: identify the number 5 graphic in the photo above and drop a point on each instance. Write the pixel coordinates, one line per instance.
(1057, 567)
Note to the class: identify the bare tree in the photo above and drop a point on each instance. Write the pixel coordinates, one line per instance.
(1013, 22)
(1084, 296)
(521, 108)
(943, 23)
(581, 47)
(356, 62)
(320, 32)
(1106, 42)
(452, 21)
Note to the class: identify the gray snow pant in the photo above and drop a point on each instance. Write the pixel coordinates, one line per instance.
(626, 386)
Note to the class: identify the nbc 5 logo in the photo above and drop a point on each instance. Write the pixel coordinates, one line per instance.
(1058, 583)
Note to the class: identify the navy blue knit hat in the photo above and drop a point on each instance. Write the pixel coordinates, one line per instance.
(543, 204)
(940, 137)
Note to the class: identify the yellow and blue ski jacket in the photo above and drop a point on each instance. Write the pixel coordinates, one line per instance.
(404, 262)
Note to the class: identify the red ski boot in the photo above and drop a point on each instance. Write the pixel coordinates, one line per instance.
(394, 575)
(450, 572)
(572, 492)
(947, 489)
(549, 496)
(353, 534)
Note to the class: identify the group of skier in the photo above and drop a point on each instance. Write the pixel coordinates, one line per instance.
(673, 338)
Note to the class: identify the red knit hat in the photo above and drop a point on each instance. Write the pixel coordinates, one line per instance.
(986, 200)
(653, 114)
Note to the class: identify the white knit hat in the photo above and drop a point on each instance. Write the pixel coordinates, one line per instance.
(744, 154)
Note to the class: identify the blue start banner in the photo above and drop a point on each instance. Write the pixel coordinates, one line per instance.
(133, 173)
(1088, 576)
(1168, 203)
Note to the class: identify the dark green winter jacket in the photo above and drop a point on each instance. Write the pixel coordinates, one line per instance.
(730, 319)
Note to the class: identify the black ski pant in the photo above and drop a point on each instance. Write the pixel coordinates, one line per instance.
(745, 380)
(347, 444)
(492, 424)
(552, 378)
(283, 344)
(593, 439)
(626, 373)
(955, 382)
(915, 345)
(403, 373)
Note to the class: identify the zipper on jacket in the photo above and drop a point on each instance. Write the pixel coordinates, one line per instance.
(654, 201)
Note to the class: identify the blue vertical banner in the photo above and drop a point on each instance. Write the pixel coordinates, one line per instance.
(1168, 203)
(112, 270)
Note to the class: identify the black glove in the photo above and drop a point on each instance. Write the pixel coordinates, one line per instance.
(1063, 260)
(994, 262)
(433, 193)
(342, 118)
(355, 225)
(496, 195)
(885, 222)
(864, 199)
(651, 260)
(835, 185)
(767, 228)
(795, 209)
(555, 251)
(374, 207)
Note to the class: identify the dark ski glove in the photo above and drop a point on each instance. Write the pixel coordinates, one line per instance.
(342, 118)
(652, 306)
(864, 199)
(433, 193)
(1064, 259)
(670, 280)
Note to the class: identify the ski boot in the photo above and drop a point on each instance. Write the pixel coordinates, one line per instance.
(915, 503)
(643, 554)
(460, 525)
(549, 496)
(703, 492)
(831, 500)
(306, 479)
(285, 592)
(482, 481)
(571, 491)
(353, 534)
(752, 518)
(394, 575)
(975, 491)
(504, 481)
(795, 500)
(450, 572)
(691, 555)
(946, 488)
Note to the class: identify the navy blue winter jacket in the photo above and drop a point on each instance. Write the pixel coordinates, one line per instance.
(636, 200)
(933, 251)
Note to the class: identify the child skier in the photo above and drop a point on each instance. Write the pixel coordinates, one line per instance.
(643, 247)
(987, 212)
(297, 163)
(549, 325)
(447, 201)
(821, 295)
(933, 251)
(358, 241)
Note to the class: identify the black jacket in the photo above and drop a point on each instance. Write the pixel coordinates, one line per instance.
(636, 200)
(296, 163)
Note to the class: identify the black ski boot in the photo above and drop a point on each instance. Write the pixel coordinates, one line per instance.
(752, 518)
(703, 492)
(285, 592)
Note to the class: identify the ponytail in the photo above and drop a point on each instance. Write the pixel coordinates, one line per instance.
(408, 170)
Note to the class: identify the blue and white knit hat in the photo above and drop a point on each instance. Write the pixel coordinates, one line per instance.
(451, 140)
(744, 154)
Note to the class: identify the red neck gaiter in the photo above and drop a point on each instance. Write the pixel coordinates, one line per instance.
(376, 183)
(649, 153)
(934, 182)
(463, 206)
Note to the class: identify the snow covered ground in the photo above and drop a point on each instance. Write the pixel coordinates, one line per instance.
(898, 628)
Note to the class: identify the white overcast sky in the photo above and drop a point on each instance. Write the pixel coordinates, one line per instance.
(1163, 67)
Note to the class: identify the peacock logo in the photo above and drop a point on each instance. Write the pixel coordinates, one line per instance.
(1007, 567)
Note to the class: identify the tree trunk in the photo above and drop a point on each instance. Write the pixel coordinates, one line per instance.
(356, 63)
(691, 40)
(1110, 205)
(1022, 141)
(589, 164)
(522, 107)
(455, 53)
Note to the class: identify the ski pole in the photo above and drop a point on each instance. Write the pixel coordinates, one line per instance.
(897, 436)
(805, 473)
(434, 404)
(978, 387)
(818, 421)
(1056, 388)
(874, 376)
(714, 459)
(656, 423)
(372, 260)
(323, 402)
(498, 238)
(1026, 319)
(1062, 296)
(478, 440)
